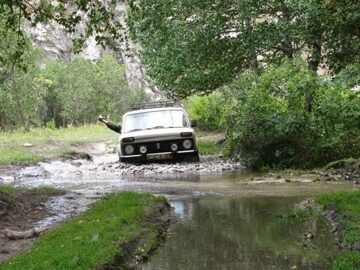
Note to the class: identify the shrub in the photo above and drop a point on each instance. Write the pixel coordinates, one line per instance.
(289, 116)
(209, 110)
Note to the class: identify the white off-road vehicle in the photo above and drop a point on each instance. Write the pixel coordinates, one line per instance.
(157, 131)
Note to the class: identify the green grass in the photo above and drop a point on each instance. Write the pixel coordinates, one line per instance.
(349, 260)
(17, 156)
(348, 204)
(10, 190)
(207, 146)
(7, 189)
(93, 238)
(44, 143)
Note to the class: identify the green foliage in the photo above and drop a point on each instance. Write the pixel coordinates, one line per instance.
(289, 116)
(51, 124)
(347, 260)
(14, 44)
(348, 205)
(20, 94)
(63, 93)
(92, 239)
(208, 110)
(194, 47)
(349, 76)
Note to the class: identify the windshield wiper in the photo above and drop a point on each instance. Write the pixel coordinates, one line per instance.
(136, 129)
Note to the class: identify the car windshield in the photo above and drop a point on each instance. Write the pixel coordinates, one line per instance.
(154, 120)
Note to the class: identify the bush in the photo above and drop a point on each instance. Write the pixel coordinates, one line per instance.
(289, 116)
(62, 93)
(208, 110)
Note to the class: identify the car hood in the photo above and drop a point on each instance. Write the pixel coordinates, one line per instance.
(160, 133)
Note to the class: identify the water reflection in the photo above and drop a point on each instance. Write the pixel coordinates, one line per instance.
(242, 233)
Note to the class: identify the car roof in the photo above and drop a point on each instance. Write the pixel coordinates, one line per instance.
(155, 110)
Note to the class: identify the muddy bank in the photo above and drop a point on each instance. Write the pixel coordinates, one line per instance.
(19, 211)
(333, 215)
(25, 211)
(138, 250)
(130, 236)
(31, 212)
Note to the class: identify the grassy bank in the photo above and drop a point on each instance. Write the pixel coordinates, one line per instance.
(39, 144)
(98, 238)
(10, 190)
(347, 205)
(211, 143)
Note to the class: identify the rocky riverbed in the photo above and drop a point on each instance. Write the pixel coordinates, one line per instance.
(104, 165)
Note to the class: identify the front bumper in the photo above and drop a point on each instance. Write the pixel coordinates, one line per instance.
(159, 156)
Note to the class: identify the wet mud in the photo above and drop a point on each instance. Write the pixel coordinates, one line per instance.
(21, 218)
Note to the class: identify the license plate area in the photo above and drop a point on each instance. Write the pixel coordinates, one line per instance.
(159, 157)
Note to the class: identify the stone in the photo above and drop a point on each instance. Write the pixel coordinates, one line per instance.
(7, 179)
(12, 235)
(27, 144)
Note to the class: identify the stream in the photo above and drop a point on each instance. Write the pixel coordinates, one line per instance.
(228, 219)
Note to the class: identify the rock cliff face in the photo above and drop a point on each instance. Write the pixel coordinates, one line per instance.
(57, 43)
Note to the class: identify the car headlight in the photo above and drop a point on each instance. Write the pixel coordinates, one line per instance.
(187, 144)
(143, 149)
(129, 149)
(174, 147)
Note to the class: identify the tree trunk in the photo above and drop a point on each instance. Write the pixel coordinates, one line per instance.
(2, 122)
(315, 54)
(17, 99)
(253, 55)
(286, 43)
(313, 62)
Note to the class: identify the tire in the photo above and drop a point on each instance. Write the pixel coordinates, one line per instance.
(194, 157)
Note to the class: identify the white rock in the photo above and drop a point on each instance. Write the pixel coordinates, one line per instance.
(27, 144)
(7, 179)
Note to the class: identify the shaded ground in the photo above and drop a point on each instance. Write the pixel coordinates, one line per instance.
(347, 169)
(19, 210)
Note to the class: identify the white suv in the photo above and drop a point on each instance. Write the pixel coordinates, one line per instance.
(157, 131)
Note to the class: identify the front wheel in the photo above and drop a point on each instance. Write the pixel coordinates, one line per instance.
(194, 157)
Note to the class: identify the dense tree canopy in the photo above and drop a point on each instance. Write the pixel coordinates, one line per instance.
(193, 46)
(61, 93)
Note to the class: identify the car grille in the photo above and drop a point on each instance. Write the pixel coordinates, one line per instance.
(158, 147)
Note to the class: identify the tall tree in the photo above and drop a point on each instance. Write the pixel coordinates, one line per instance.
(195, 46)
(21, 96)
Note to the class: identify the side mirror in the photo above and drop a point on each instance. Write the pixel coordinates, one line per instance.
(193, 123)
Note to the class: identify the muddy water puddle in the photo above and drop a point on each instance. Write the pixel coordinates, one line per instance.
(243, 233)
